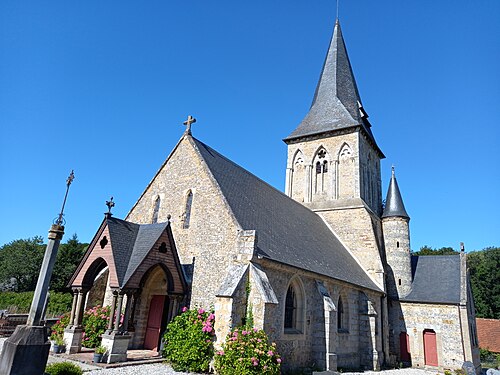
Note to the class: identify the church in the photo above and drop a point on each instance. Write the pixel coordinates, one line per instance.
(324, 268)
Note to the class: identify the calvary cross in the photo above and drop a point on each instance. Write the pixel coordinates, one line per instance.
(190, 120)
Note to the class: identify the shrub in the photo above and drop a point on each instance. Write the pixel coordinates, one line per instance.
(189, 340)
(21, 302)
(247, 351)
(63, 368)
(95, 322)
(59, 326)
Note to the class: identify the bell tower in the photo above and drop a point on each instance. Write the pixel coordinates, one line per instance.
(333, 164)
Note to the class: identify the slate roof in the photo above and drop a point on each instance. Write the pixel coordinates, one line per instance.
(131, 243)
(336, 103)
(394, 202)
(436, 279)
(287, 231)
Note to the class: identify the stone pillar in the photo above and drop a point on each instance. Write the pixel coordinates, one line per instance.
(73, 309)
(118, 312)
(126, 316)
(308, 189)
(73, 334)
(112, 313)
(288, 182)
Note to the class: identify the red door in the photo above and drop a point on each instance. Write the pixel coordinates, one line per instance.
(430, 348)
(404, 347)
(154, 323)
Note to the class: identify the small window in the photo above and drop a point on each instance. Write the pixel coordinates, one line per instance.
(186, 217)
(318, 167)
(156, 210)
(290, 308)
(397, 244)
(399, 281)
(325, 166)
(163, 248)
(340, 314)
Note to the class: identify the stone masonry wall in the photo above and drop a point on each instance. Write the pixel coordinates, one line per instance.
(212, 233)
(414, 318)
(307, 346)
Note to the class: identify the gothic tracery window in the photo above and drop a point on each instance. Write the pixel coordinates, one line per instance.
(294, 308)
(321, 181)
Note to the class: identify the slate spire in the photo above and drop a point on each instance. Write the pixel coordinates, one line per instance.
(394, 203)
(336, 103)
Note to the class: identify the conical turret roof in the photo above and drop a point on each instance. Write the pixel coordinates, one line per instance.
(394, 203)
(336, 103)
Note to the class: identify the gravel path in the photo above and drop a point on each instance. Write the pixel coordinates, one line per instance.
(163, 369)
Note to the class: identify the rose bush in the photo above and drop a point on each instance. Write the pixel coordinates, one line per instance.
(189, 340)
(247, 351)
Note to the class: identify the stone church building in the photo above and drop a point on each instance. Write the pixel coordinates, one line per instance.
(325, 267)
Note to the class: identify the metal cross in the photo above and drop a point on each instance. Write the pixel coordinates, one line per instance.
(190, 120)
(110, 205)
(60, 218)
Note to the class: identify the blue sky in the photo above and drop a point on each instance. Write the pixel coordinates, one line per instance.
(103, 88)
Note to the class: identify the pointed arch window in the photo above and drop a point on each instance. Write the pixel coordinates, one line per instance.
(321, 182)
(187, 212)
(340, 313)
(294, 308)
(156, 210)
(342, 316)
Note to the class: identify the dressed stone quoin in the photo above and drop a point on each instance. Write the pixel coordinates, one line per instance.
(330, 275)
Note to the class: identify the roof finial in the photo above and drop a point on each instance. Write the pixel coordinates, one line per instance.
(110, 205)
(190, 120)
(337, 18)
(392, 168)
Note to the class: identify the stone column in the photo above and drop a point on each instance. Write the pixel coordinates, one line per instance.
(126, 317)
(118, 312)
(73, 309)
(112, 313)
(288, 183)
(308, 189)
(79, 309)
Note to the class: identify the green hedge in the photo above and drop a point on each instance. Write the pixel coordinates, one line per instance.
(20, 303)
(63, 368)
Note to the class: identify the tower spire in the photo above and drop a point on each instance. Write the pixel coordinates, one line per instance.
(336, 103)
(394, 202)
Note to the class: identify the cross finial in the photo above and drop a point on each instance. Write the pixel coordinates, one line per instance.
(190, 120)
(110, 205)
(393, 170)
(60, 219)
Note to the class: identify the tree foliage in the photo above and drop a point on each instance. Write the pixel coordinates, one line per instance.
(427, 250)
(484, 268)
(20, 263)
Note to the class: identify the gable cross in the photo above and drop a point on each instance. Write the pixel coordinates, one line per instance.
(190, 120)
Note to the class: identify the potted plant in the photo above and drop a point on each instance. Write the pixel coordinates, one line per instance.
(98, 353)
(59, 345)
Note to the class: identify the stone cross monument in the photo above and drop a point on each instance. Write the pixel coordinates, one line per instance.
(27, 350)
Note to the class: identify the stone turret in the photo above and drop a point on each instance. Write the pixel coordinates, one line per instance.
(396, 231)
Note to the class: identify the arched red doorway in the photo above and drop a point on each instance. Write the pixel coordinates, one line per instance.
(430, 348)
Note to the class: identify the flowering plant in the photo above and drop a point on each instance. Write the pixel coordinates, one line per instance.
(59, 327)
(95, 321)
(189, 340)
(247, 351)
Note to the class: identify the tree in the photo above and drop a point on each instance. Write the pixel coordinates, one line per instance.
(484, 268)
(426, 250)
(21, 260)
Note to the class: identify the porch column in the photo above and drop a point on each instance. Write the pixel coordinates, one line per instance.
(73, 309)
(128, 307)
(112, 313)
(118, 312)
(79, 309)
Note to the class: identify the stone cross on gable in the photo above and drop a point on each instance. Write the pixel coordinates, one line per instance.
(190, 120)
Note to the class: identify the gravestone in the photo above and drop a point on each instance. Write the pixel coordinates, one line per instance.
(469, 368)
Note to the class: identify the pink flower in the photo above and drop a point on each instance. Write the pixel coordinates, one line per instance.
(278, 360)
(255, 329)
(211, 316)
(184, 309)
(201, 311)
(270, 353)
